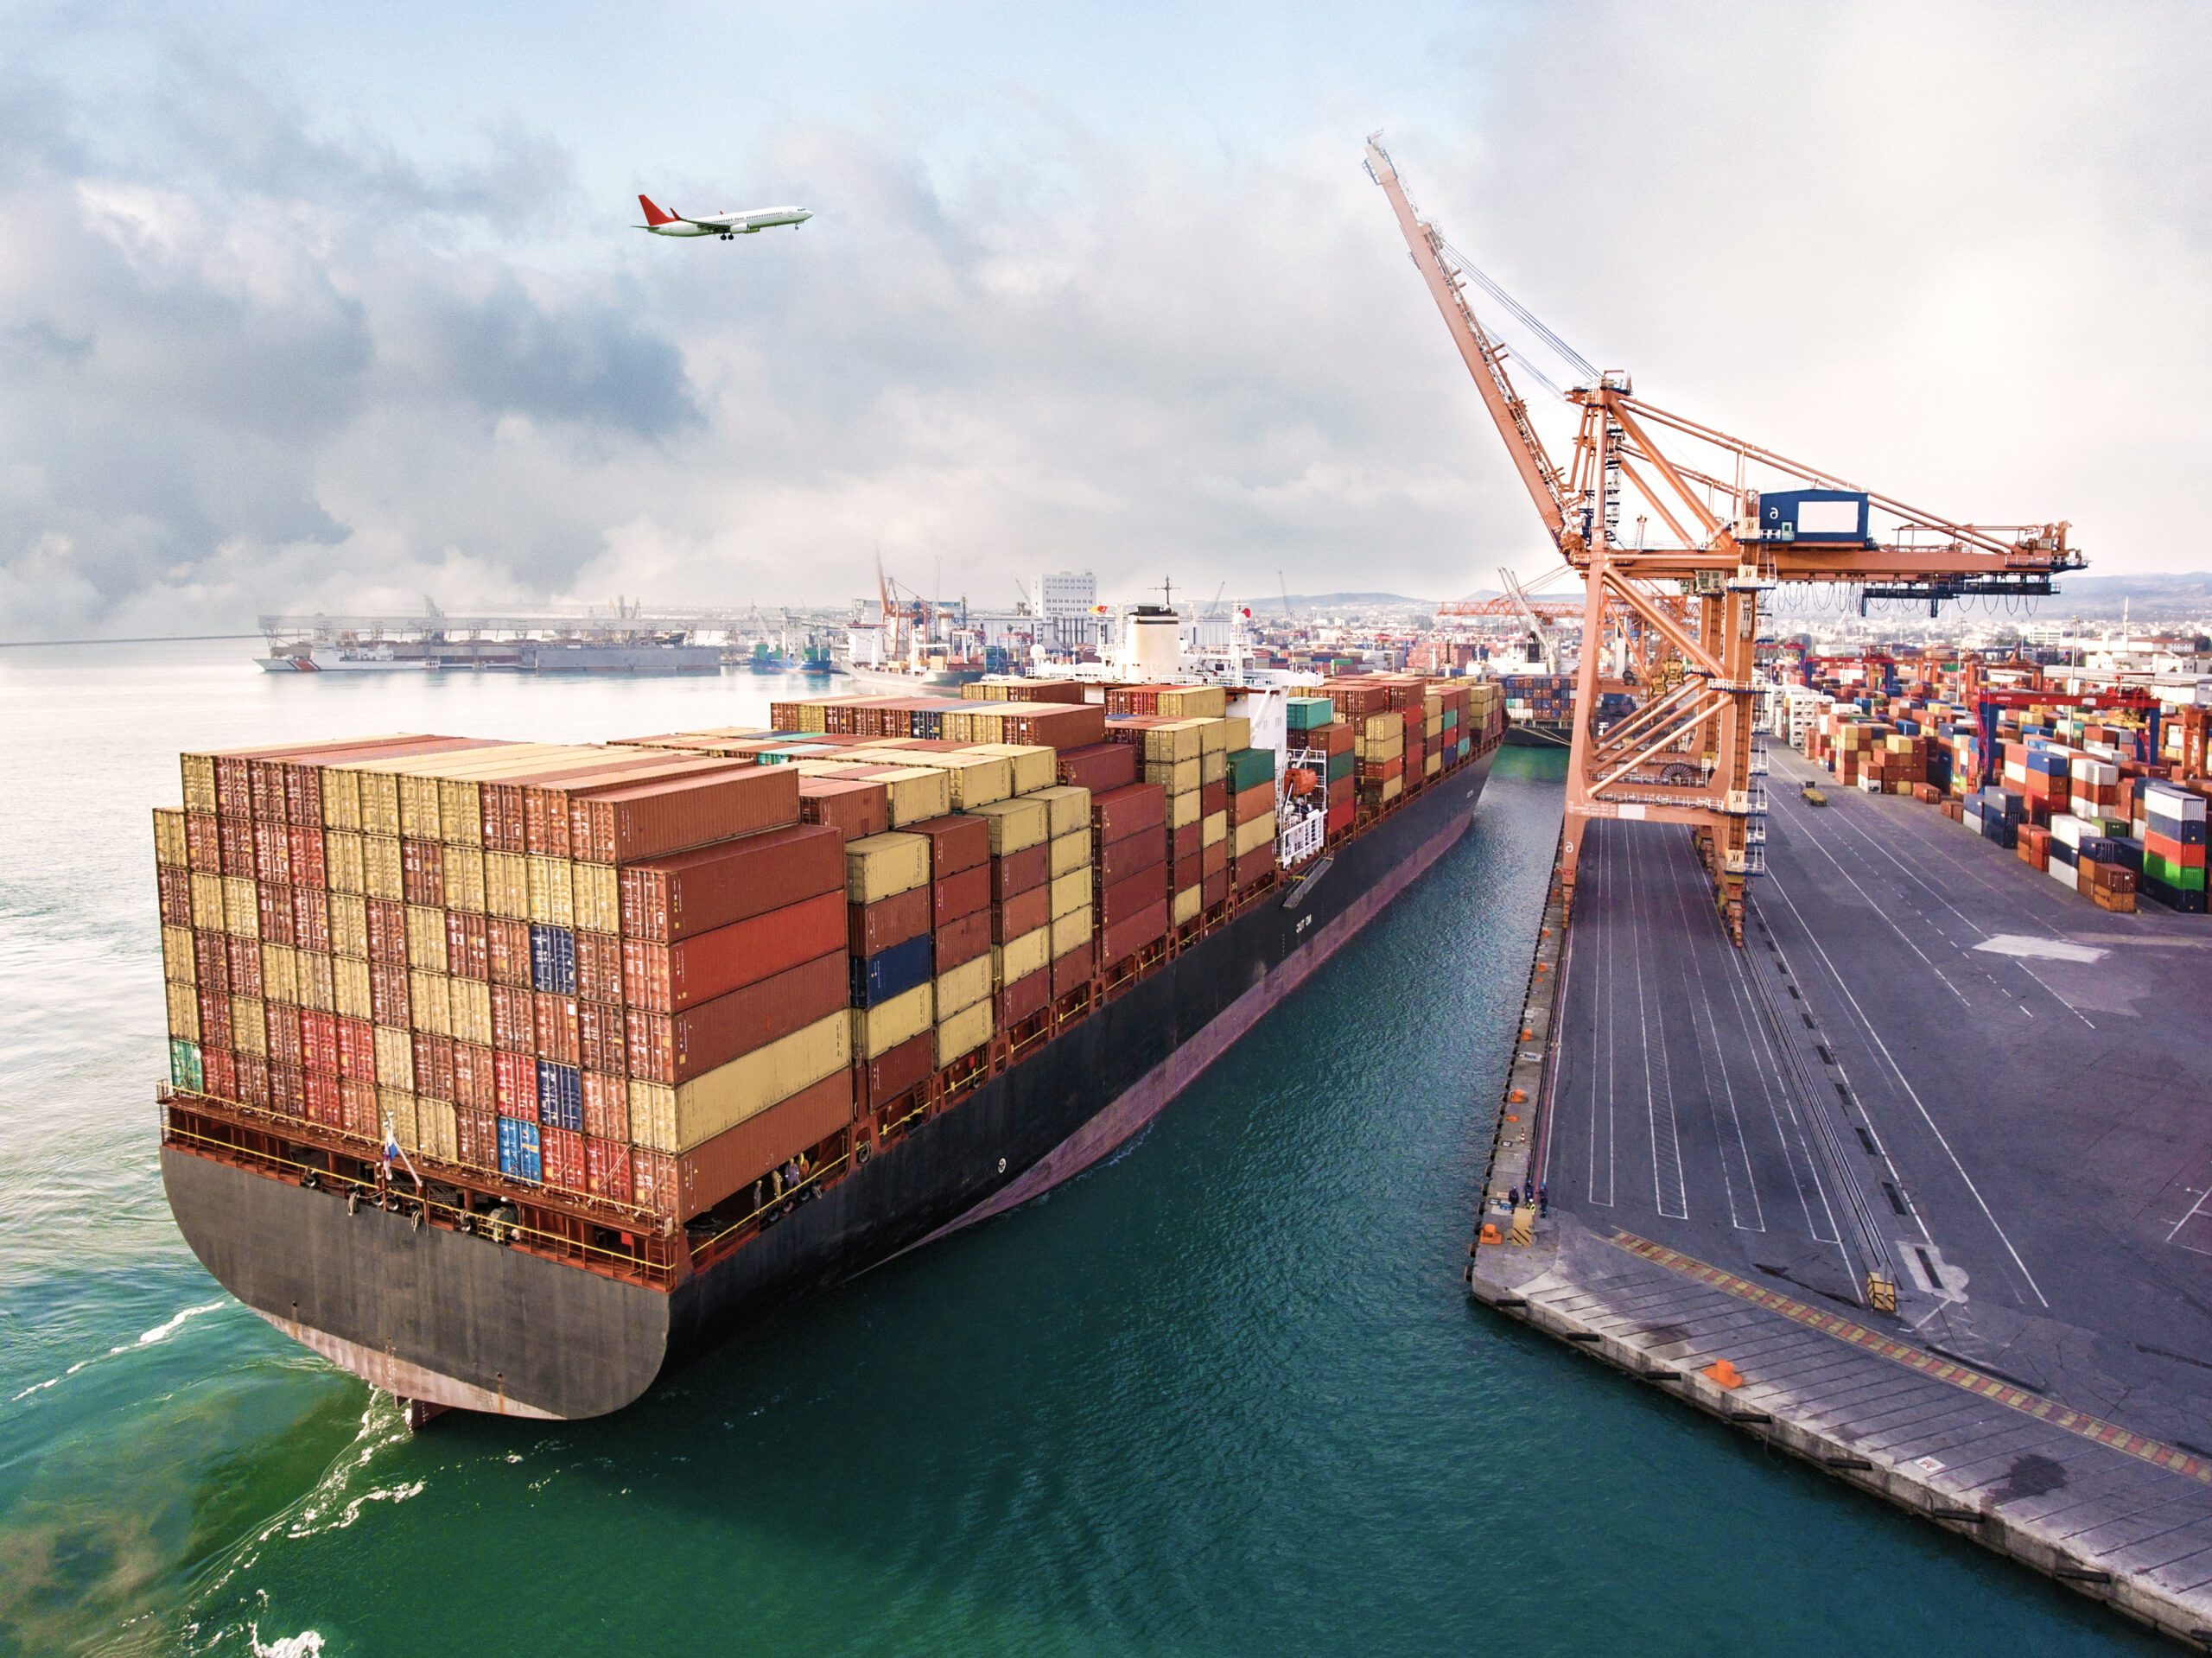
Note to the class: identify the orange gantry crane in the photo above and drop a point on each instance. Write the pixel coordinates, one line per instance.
(1679, 619)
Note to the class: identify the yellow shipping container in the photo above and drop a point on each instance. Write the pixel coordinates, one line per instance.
(1070, 807)
(676, 1119)
(1213, 767)
(349, 925)
(964, 1032)
(1214, 826)
(1235, 733)
(552, 893)
(1070, 930)
(1166, 744)
(435, 1121)
(963, 987)
(1183, 809)
(599, 897)
(249, 1024)
(1380, 727)
(429, 1002)
(380, 870)
(208, 903)
(918, 793)
(1178, 776)
(169, 846)
(315, 986)
(465, 879)
(1257, 833)
(1392, 787)
(341, 799)
(177, 965)
(241, 910)
(878, 1029)
(342, 860)
(396, 1056)
(883, 866)
(507, 886)
(1030, 766)
(460, 812)
(379, 802)
(1185, 906)
(199, 772)
(972, 779)
(1070, 852)
(1433, 766)
(1016, 825)
(1070, 892)
(1018, 958)
(426, 938)
(184, 1009)
(395, 1116)
(418, 808)
(468, 1009)
(1432, 726)
(1193, 701)
(349, 980)
(280, 973)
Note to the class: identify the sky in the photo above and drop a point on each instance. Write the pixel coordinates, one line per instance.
(332, 307)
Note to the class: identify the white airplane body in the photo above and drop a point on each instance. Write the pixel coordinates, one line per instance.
(726, 225)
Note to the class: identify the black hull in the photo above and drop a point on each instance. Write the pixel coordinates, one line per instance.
(452, 1319)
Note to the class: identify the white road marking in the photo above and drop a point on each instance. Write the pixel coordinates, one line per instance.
(2053, 949)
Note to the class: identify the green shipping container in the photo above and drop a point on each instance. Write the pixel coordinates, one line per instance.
(1304, 713)
(184, 1067)
(1250, 767)
(2187, 877)
(1340, 765)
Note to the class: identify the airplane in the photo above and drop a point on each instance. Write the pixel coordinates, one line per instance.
(725, 225)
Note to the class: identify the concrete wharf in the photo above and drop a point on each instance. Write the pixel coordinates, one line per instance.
(1931, 1075)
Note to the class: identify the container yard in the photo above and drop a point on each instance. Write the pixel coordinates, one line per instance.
(508, 1075)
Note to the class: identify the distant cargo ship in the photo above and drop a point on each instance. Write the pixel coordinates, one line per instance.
(511, 1076)
(511, 656)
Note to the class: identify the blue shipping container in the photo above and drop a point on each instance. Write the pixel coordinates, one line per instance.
(519, 1150)
(560, 1095)
(1833, 515)
(552, 959)
(891, 972)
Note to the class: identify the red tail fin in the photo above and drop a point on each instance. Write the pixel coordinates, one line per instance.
(654, 215)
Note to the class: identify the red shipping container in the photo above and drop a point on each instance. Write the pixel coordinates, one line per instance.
(507, 950)
(1214, 860)
(515, 1075)
(287, 1090)
(899, 1070)
(599, 967)
(274, 907)
(873, 927)
(218, 1073)
(321, 1100)
(211, 961)
(203, 848)
(272, 854)
(284, 1030)
(357, 1050)
(554, 1022)
(1117, 814)
(174, 887)
(245, 971)
(1022, 913)
(475, 1082)
(214, 1017)
(387, 932)
(236, 835)
(1338, 820)
(318, 1042)
(476, 1137)
(553, 827)
(421, 873)
(663, 977)
(676, 1047)
(962, 940)
(1131, 897)
(1020, 872)
(625, 824)
(606, 1106)
(1031, 994)
(388, 994)
(433, 1065)
(1212, 797)
(670, 898)
(306, 849)
(1119, 860)
(957, 843)
(960, 894)
(1071, 969)
(311, 919)
(357, 1105)
(1182, 843)
(682, 1186)
(1257, 865)
(468, 950)
(561, 1158)
(1250, 804)
(514, 1018)
(606, 1170)
(1126, 938)
(1098, 766)
(852, 807)
(599, 1037)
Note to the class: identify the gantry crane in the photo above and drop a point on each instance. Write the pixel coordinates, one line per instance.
(1689, 608)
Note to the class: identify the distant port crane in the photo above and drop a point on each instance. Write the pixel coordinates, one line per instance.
(1690, 608)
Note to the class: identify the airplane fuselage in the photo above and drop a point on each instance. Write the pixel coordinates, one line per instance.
(726, 225)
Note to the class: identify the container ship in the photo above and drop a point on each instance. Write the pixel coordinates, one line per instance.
(511, 1076)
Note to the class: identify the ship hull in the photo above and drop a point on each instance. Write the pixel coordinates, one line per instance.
(451, 1319)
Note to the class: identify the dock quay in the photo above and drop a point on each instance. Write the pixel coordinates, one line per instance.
(1917, 1186)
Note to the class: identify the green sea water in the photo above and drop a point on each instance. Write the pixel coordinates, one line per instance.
(1222, 1393)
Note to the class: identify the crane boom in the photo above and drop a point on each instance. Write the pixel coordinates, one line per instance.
(1484, 357)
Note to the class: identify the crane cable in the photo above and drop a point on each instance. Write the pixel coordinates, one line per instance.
(1528, 318)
